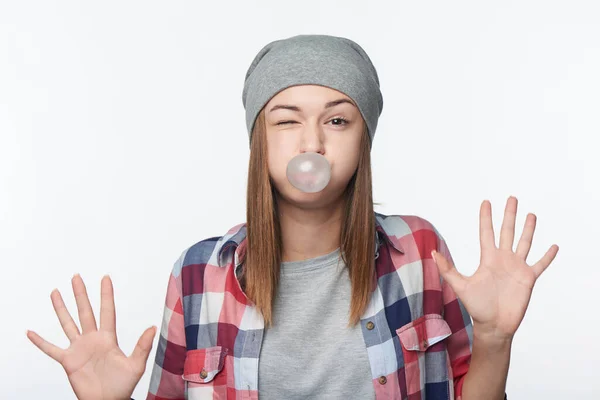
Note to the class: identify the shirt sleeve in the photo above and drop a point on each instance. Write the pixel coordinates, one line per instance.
(460, 343)
(166, 381)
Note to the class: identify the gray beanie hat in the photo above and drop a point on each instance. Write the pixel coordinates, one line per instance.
(335, 62)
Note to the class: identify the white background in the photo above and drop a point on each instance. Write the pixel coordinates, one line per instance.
(123, 142)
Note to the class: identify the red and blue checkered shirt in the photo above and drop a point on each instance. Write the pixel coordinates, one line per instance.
(417, 333)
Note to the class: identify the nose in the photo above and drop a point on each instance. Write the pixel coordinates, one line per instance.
(312, 140)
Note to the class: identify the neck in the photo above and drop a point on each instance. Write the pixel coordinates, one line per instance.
(309, 233)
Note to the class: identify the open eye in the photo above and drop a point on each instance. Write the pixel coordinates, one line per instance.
(343, 121)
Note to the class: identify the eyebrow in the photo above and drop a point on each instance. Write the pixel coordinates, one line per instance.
(298, 109)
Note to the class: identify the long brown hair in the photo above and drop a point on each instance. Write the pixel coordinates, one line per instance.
(264, 247)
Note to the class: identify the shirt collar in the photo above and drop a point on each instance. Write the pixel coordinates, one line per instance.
(383, 234)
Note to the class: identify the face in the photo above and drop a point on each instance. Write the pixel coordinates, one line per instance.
(312, 118)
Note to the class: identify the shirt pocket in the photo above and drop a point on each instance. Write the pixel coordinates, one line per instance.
(205, 373)
(425, 354)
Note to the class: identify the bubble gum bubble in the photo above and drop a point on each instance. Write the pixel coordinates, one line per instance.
(309, 172)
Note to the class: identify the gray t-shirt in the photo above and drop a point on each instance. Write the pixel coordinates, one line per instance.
(310, 353)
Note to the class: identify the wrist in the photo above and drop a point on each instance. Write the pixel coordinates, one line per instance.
(491, 338)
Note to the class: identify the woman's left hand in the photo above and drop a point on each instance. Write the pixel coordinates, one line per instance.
(498, 293)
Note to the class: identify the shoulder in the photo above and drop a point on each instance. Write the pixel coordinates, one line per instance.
(409, 230)
(210, 251)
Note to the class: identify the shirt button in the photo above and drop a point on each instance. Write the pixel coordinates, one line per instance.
(382, 380)
(425, 343)
(370, 325)
(203, 374)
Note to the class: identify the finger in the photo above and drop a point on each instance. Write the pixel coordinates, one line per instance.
(450, 274)
(64, 317)
(52, 351)
(144, 345)
(86, 314)
(545, 261)
(486, 229)
(527, 236)
(507, 231)
(107, 307)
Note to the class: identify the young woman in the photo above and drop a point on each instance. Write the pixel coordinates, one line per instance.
(316, 295)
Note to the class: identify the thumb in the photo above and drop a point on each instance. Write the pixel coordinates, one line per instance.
(144, 345)
(450, 274)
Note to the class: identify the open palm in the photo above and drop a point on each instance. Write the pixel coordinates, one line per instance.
(94, 363)
(498, 293)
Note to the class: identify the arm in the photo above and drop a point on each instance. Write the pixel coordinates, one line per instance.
(487, 375)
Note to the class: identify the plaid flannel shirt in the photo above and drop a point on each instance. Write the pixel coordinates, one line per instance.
(417, 333)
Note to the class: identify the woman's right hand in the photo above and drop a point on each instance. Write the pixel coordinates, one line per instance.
(94, 363)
